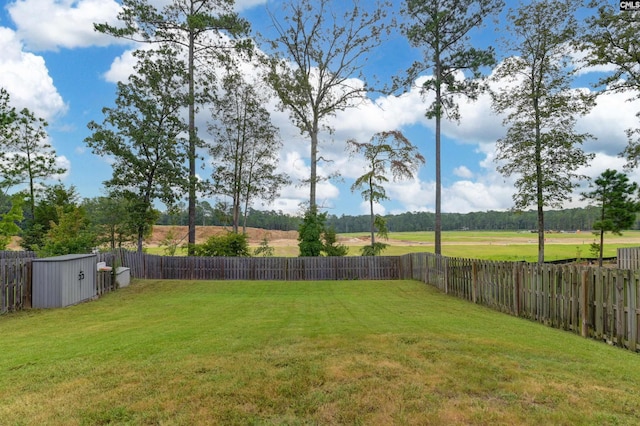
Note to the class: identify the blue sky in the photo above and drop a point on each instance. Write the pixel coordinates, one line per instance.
(52, 62)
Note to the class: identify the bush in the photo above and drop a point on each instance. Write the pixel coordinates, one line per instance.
(331, 245)
(229, 245)
(373, 249)
(310, 233)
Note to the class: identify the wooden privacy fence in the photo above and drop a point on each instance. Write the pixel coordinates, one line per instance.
(260, 268)
(629, 258)
(601, 303)
(14, 276)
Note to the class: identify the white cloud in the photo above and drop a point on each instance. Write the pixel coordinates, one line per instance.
(463, 172)
(608, 121)
(64, 162)
(26, 78)
(121, 67)
(54, 24)
(241, 5)
(466, 196)
(378, 209)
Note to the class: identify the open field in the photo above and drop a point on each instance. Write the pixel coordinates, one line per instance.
(357, 352)
(493, 245)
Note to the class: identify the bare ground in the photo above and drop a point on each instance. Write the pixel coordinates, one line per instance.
(290, 238)
(256, 235)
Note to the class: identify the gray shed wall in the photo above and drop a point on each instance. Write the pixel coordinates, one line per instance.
(63, 280)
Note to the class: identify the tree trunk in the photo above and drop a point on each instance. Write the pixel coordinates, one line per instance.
(373, 221)
(539, 188)
(601, 247)
(313, 179)
(192, 146)
(140, 238)
(438, 218)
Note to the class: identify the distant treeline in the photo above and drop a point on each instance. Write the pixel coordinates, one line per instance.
(560, 220)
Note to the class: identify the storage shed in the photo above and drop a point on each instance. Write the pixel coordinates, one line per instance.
(63, 280)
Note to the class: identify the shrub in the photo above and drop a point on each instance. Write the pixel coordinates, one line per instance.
(229, 245)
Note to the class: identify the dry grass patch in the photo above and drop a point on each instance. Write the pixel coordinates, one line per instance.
(358, 352)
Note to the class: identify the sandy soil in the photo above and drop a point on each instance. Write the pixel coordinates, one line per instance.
(276, 238)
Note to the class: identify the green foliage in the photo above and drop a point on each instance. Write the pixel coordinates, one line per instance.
(444, 38)
(170, 243)
(25, 155)
(617, 199)
(54, 199)
(112, 219)
(143, 133)
(541, 147)
(7, 113)
(331, 246)
(316, 239)
(228, 245)
(310, 233)
(264, 249)
(380, 224)
(612, 41)
(374, 249)
(9, 220)
(71, 235)
(386, 153)
(204, 31)
(245, 147)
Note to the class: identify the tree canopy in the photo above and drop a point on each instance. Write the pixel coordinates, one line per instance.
(541, 148)
(441, 31)
(143, 135)
(204, 30)
(317, 55)
(617, 200)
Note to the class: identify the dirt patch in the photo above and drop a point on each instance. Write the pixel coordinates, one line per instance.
(256, 235)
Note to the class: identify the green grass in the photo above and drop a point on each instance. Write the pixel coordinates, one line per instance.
(356, 352)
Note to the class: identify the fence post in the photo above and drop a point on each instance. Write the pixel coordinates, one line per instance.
(474, 281)
(28, 287)
(516, 289)
(584, 302)
(619, 290)
(445, 263)
(633, 310)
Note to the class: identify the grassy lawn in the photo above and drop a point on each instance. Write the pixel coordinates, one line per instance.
(356, 352)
